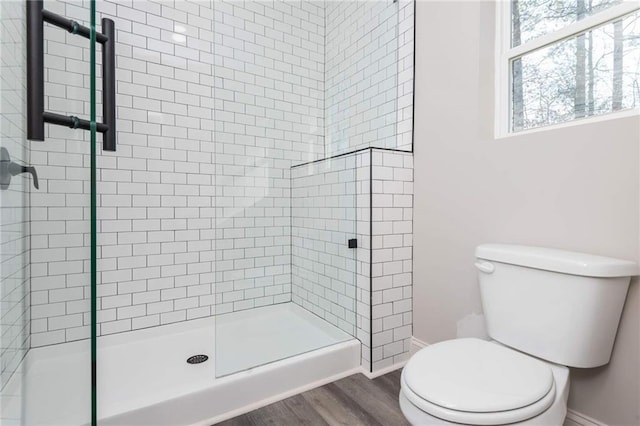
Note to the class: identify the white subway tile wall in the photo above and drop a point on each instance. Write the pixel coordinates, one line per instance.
(323, 215)
(369, 75)
(404, 105)
(14, 200)
(155, 193)
(331, 202)
(216, 102)
(363, 255)
(269, 106)
(392, 256)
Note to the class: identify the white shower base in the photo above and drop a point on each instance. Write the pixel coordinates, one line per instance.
(271, 333)
(143, 377)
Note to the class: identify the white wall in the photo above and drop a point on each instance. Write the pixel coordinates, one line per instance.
(575, 188)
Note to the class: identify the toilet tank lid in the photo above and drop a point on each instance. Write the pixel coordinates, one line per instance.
(555, 260)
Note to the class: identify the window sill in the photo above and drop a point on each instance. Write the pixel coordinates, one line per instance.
(635, 112)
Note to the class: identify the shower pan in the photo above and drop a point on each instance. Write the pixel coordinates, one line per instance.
(218, 212)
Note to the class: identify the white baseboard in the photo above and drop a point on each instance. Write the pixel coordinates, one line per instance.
(578, 419)
(382, 371)
(416, 345)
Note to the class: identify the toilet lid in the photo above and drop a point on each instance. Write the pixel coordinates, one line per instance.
(477, 376)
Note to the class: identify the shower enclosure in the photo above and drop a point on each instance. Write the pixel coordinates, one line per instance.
(253, 225)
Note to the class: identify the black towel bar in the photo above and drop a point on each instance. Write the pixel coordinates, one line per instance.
(72, 26)
(72, 122)
(36, 115)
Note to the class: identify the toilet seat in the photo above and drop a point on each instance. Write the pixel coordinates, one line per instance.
(475, 382)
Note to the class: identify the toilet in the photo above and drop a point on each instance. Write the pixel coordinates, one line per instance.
(546, 310)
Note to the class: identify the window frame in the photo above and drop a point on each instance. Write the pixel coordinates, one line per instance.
(505, 54)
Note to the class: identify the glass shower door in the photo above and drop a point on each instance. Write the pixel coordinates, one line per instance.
(46, 254)
(311, 303)
(284, 273)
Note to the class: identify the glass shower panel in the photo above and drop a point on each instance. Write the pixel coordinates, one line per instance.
(45, 226)
(324, 240)
(362, 75)
(269, 114)
(14, 214)
(266, 319)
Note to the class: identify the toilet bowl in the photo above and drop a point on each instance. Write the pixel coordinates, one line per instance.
(546, 310)
(475, 382)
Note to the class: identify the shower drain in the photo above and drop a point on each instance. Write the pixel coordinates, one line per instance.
(197, 359)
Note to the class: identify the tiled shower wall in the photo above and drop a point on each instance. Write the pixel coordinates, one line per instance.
(216, 101)
(269, 101)
(156, 192)
(337, 199)
(392, 256)
(14, 201)
(405, 62)
(169, 195)
(369, 75)
(363, 254)
(323, 216)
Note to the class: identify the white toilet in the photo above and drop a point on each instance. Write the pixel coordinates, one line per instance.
(547, 310)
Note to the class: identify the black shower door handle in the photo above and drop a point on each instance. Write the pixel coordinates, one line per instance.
(36, 115)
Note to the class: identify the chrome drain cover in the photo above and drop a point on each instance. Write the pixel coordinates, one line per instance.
(197, 359)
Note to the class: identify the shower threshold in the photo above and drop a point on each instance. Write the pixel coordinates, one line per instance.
(258, 356)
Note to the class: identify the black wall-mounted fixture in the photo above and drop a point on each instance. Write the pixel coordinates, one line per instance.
(36, 115)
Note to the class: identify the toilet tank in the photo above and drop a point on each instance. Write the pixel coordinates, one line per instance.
(560, 306)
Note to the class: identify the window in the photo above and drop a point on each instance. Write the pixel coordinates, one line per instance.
(562, 60)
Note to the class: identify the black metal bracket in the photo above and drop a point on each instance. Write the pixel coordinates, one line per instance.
(353, 243)
(36, 115)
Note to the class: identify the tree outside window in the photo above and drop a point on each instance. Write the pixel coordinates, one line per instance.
(591, 72)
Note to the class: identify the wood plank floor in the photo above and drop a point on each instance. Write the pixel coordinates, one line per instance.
(354, 400)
